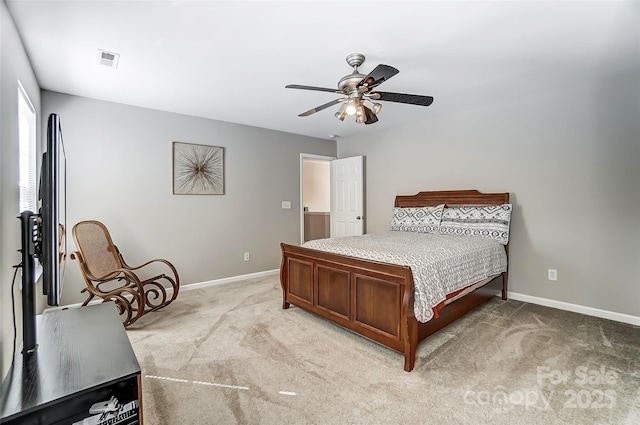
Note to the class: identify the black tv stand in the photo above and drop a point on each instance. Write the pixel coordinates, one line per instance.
(83, 356)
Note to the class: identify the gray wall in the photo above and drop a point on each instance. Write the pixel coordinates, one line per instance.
(14, 65)
(119, 171)
(568, 156)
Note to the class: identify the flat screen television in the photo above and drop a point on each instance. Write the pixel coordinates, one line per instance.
(53, 184)
(44, 235)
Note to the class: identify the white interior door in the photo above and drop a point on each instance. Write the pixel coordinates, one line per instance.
(347, 206)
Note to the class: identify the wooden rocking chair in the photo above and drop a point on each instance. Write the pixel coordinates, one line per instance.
(108, 276)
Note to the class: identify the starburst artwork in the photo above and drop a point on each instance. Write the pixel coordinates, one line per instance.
(198, 169)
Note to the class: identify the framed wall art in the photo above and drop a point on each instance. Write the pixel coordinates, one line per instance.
(198, 169)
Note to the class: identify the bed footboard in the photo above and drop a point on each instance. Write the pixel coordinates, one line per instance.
(369, 298)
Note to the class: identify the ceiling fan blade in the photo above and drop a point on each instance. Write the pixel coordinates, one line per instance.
(371, 118)
(412, 99)
(378, 76)
(320, 108)
(296, 86)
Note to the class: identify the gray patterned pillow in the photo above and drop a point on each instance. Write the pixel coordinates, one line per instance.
(417, 219)
(490, 221)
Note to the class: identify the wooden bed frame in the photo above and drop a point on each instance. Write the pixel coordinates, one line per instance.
(375, 299)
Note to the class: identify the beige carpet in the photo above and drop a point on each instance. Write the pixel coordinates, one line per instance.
(229, 354)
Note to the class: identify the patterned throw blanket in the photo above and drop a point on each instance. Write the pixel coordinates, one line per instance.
(441, 264)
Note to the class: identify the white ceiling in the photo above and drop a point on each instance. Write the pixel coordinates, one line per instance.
(230, 61)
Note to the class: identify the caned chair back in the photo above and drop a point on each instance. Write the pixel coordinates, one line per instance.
(97, 249)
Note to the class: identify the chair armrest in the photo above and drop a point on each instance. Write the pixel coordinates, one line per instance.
(155, 260)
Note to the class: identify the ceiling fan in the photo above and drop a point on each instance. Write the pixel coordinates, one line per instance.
(360, 93)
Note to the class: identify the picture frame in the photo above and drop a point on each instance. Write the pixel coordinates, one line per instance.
(198, 169)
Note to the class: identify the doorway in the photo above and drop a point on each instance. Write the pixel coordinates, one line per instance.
(315, 197)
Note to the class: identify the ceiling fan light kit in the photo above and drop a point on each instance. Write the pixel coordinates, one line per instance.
(375, 107)
(342, 112)
(359, 92)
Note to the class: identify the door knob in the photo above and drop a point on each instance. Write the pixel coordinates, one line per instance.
(359, 218)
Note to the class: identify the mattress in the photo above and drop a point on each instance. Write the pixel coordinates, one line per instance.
(440, 264)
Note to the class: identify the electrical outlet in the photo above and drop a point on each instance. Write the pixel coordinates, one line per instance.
(553, 274)
(246, 256)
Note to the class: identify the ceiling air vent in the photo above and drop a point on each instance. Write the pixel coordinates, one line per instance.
(109, 59)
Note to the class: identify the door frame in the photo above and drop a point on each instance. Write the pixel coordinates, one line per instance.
(302, 157)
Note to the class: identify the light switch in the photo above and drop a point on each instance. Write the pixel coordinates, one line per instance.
(286, 205)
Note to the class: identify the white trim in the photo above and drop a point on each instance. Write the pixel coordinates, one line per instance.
(199, 285)
(188, 287)
(589, 311)
(26, 96)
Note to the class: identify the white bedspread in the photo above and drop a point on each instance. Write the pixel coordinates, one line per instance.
(441, 264)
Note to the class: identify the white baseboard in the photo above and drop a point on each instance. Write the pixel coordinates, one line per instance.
(589, 311)
(228, 280)
(187, 287)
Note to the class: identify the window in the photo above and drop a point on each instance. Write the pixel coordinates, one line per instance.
(27, 147)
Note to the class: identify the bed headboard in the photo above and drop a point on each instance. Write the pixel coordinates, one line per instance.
(451, 198)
